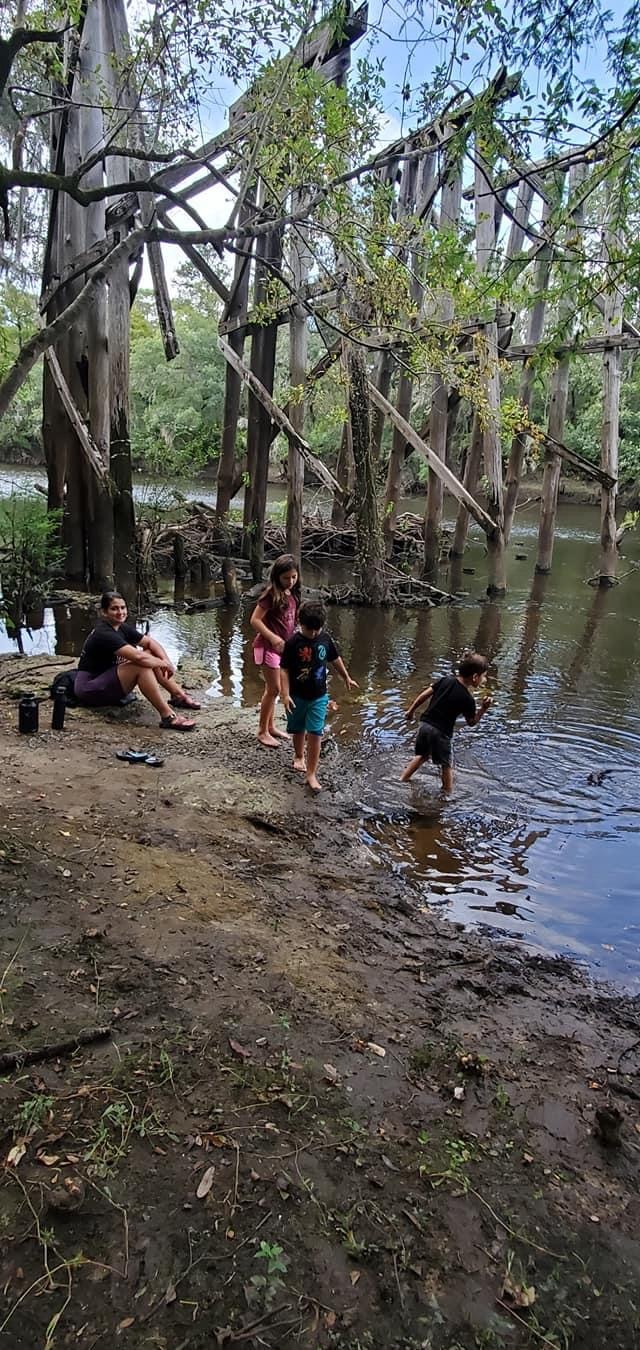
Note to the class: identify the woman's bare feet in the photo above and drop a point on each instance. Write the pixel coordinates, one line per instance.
(313, 783)
(300, 765)
(282, 735)
(266, 739)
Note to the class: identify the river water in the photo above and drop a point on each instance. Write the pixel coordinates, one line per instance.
(541, 838)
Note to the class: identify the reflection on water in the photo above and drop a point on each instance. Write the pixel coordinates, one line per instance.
(540, 839)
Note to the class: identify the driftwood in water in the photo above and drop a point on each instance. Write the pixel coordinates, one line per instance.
(232, 590)
(400, 589)
(177, 546)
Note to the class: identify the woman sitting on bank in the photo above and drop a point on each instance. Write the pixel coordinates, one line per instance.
(116, 659)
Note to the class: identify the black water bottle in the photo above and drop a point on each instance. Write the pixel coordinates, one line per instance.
(59, 707)
(28, 715)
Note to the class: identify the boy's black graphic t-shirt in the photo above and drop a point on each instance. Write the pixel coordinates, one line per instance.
(305, 660)
(450, 699)
(102, 645)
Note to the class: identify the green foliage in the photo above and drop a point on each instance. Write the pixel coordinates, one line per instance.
(584, 414)
(20, 427)
(29, 557)
(176, 406)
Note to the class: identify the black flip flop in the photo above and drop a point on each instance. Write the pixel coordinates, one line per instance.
(132, 756)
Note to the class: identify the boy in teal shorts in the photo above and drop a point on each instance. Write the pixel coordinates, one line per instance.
(303, 671)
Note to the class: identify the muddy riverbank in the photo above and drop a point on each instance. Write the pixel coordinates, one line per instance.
(321, 1118)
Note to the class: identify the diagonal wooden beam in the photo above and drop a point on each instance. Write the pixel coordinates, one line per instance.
(85, 439)
(278, 416)
(448, 478)
(579, 462)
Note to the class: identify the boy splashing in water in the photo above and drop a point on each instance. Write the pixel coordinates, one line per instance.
(449, 698)
(304, 686)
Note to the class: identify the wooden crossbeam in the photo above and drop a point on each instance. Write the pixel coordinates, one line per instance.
(622, 341)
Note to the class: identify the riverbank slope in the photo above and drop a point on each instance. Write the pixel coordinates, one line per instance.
(321, 1118)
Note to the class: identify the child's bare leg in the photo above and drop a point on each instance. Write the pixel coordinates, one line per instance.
(411, 768)
(271, 677)
(298, 751)
(313, 756)
(447, 778)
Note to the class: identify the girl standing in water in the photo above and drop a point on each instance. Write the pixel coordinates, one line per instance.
(274, 619)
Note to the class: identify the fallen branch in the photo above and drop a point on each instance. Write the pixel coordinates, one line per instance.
(16, 1059)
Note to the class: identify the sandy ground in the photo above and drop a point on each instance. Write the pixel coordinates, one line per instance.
(320, 1118)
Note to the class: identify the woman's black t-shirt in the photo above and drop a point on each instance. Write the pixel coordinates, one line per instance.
(102, 645)
(450, 699)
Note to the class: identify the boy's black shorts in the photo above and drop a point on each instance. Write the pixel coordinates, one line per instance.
(434, 745)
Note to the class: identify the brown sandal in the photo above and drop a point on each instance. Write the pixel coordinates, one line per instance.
(186, 701)
(175, 723)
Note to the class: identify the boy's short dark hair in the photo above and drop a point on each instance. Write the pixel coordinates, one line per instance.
(312, 615)
(472, 664)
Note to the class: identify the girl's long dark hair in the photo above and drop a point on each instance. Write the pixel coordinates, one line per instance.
(274, 591)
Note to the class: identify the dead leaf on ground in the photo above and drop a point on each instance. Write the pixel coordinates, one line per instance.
(208, 1140)
(376, 1049)
(205, 1183)
(355, 1276)
(240, 1050)
(331, 1074)
(16, 1154)
(170, 1294)
(126, 1322)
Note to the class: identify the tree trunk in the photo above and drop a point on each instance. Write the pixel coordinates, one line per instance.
(396, 463)
(344, 475)
(116, 39)
(263, 362)
(470, 481)
(611, 370)
(228, 469)
(369, 535)
(99, 524)
(535, 329)
(298, 347)
(558, 406)
(383, 370)
(54, 421)
(492, 458)
(435, 494)
(72, 354)
(485, 214)
(124, 519)
(450, 203)
(406, 206)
